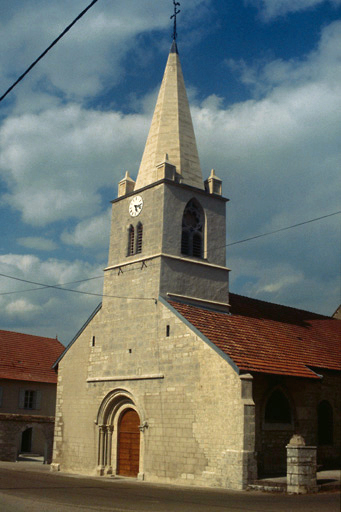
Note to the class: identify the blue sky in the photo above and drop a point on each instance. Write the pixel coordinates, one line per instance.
(264, 83)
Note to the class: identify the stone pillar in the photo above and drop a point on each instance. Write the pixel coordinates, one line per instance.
(101, 450)
(301, 466)
(110, 430)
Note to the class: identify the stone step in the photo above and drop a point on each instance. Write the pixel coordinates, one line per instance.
(267, 486)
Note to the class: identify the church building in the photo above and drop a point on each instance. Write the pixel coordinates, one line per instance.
(172, 379)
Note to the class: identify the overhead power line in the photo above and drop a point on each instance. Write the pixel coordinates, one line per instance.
(48, 49)
(74, 291)
(60, 286)
(43, 287)
(282, 229)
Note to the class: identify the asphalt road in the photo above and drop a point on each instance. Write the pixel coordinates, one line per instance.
(26, 489)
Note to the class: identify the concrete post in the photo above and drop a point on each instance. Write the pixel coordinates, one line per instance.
(301, 466)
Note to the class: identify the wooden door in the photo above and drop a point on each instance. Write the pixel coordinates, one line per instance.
(128, 444)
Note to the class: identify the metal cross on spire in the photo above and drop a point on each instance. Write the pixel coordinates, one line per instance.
(176, 11)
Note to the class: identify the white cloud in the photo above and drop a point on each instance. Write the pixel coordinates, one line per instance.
(273, 8)
(21, 307)
(56, 162)
(39, 243)
(279, 157)
(92, 232)
(27, 307)
(88, 58)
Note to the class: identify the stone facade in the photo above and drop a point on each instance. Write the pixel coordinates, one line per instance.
(304, 397)
(172, 382)
(15, 420)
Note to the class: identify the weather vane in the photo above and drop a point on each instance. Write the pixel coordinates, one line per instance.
(176, 11)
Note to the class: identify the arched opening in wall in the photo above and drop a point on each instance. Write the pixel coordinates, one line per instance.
(277, 409)
(139, 235)
(192, 233)
(278, 426)
(131, 240)
(324, 423)
(26, 441)
(120, 435)
(128, 452)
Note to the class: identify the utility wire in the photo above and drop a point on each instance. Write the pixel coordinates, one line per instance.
(48, 49)
(49, 286)
(75, 291)
(59, 286)
(281, 229)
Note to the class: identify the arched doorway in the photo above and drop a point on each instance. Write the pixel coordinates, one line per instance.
(121, 431)
(128, 452)
(26, 441)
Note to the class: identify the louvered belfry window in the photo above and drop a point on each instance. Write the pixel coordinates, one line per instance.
(135, 239)
(131, 240)
(192, 230)
(139, 238)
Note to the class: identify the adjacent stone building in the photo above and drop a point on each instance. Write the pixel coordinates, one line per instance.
(28, 385)
(173, 379)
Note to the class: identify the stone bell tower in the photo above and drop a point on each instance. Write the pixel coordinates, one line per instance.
(168, 231)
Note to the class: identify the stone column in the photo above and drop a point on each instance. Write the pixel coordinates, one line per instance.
(110, 430)
(301, 467)
(101, 450)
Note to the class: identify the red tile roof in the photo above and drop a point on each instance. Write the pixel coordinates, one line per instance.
(268, 338)
(28, 357)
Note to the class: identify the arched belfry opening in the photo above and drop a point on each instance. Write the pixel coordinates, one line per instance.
(120, 435)
(192, 230)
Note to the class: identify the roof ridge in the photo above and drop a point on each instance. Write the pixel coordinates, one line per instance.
(292, 308)
(31, 335)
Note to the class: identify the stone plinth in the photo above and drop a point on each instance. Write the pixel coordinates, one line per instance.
(301, 467)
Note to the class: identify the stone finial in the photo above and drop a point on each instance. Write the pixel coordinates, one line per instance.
(126, 185)
(213, 184)
(165, 170)
(297, 440)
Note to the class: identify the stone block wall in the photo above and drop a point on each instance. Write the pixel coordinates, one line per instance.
(301, 467)
(11, 428)
(193, 401)
(304, 395)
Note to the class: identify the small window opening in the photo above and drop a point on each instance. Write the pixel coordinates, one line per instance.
(131, 240)
(139, 238)
(167, 330)
(29, 399)
(93, 341)
(130, 351)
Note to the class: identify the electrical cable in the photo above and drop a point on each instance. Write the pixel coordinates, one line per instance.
(48, 286)
(75, 291)
(282, 229)
(48, 49)
(59, 286)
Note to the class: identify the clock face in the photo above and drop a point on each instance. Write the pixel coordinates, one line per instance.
(136, 205)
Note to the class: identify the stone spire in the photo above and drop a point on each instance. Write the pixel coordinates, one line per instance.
(171, 131)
